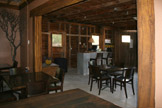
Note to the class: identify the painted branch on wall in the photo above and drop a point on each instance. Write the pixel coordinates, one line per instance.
(11, 25)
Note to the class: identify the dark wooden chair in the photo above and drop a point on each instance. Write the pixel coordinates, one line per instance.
(7, 96)
(109, 55)
(100, 77)
(126, 78)
(1, 84)
(90, 63)
(99, 57)
(36, 88)
(58, 82)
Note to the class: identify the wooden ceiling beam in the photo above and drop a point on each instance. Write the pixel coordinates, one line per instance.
(114, 19)
(6, 5)
(90, 8)
(122, 22)
(53, 5)
(111, 15)
(100, 14)
(25, 3)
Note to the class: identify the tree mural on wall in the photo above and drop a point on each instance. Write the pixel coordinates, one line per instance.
(11, 25)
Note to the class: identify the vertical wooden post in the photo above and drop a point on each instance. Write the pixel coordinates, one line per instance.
(79, 37)
(69, 46)
(87, 38)
(49, 42)
(146, 54)
(49, 45)
(102, 38)
(38, 43)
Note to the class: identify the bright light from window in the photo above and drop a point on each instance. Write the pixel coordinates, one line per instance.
(96, 40)
(126, 38)
(56, 40)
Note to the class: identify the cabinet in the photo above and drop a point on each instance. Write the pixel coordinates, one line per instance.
(50, 69)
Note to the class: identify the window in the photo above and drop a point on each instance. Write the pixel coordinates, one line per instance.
(126, 38)
(96, 40)
(56, 40)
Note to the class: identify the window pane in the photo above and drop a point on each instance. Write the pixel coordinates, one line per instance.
(96, 40)
(57, 40)
(126, 38)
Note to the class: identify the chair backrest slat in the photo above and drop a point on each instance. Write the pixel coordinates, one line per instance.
(128, 73)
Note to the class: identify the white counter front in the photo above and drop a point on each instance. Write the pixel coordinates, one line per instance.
(82, 61)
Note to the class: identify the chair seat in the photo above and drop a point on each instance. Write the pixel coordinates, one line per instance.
(122, 79)
(7, 96)
(116, 74)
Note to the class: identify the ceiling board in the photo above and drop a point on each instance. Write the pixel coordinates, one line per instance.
(99, 12)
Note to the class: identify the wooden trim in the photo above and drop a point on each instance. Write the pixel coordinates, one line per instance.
(69, 46)
(49, 45)
(47, 33)
(38, 43)
(146, 54)
(5, 5)
(87, 37)
(25, 3)
(102, 38)
(78, 35)
(73, 23)
(79, 39)
(53, 5)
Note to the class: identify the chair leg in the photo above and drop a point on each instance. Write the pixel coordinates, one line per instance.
(98, 83)
(89, 80)
(111, 89)
(100, 87)
(133, 87)
(121, 85)
(113, 85)
(1, 85)
(91, 84)
(61, 89)
(125, 90)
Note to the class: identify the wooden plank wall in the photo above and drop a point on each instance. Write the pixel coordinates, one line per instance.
(123, 53)
(146, 54)
(77, 36)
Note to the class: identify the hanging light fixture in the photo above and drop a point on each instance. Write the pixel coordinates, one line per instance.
(90, 40)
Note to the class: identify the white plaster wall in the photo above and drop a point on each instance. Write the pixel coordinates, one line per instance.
(158, 53)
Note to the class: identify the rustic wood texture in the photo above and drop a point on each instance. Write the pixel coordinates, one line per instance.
(38, 43)
(53, 5)
(17, 5)
(50, 70)
(146, 54)
(70, 31)
(115, 13)
(123, 54)
(75, 98)
(5, 5)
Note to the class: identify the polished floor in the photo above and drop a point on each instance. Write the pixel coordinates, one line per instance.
(75, 80)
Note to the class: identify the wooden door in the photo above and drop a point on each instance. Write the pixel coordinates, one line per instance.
(74, 50)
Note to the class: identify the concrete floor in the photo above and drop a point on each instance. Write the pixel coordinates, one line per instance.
(74, 80)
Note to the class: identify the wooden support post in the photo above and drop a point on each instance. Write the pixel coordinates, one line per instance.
(69, 46)
(146, 54)
(79, 37)
(38, 43)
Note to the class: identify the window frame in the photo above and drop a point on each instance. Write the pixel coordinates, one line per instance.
(61, 40)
